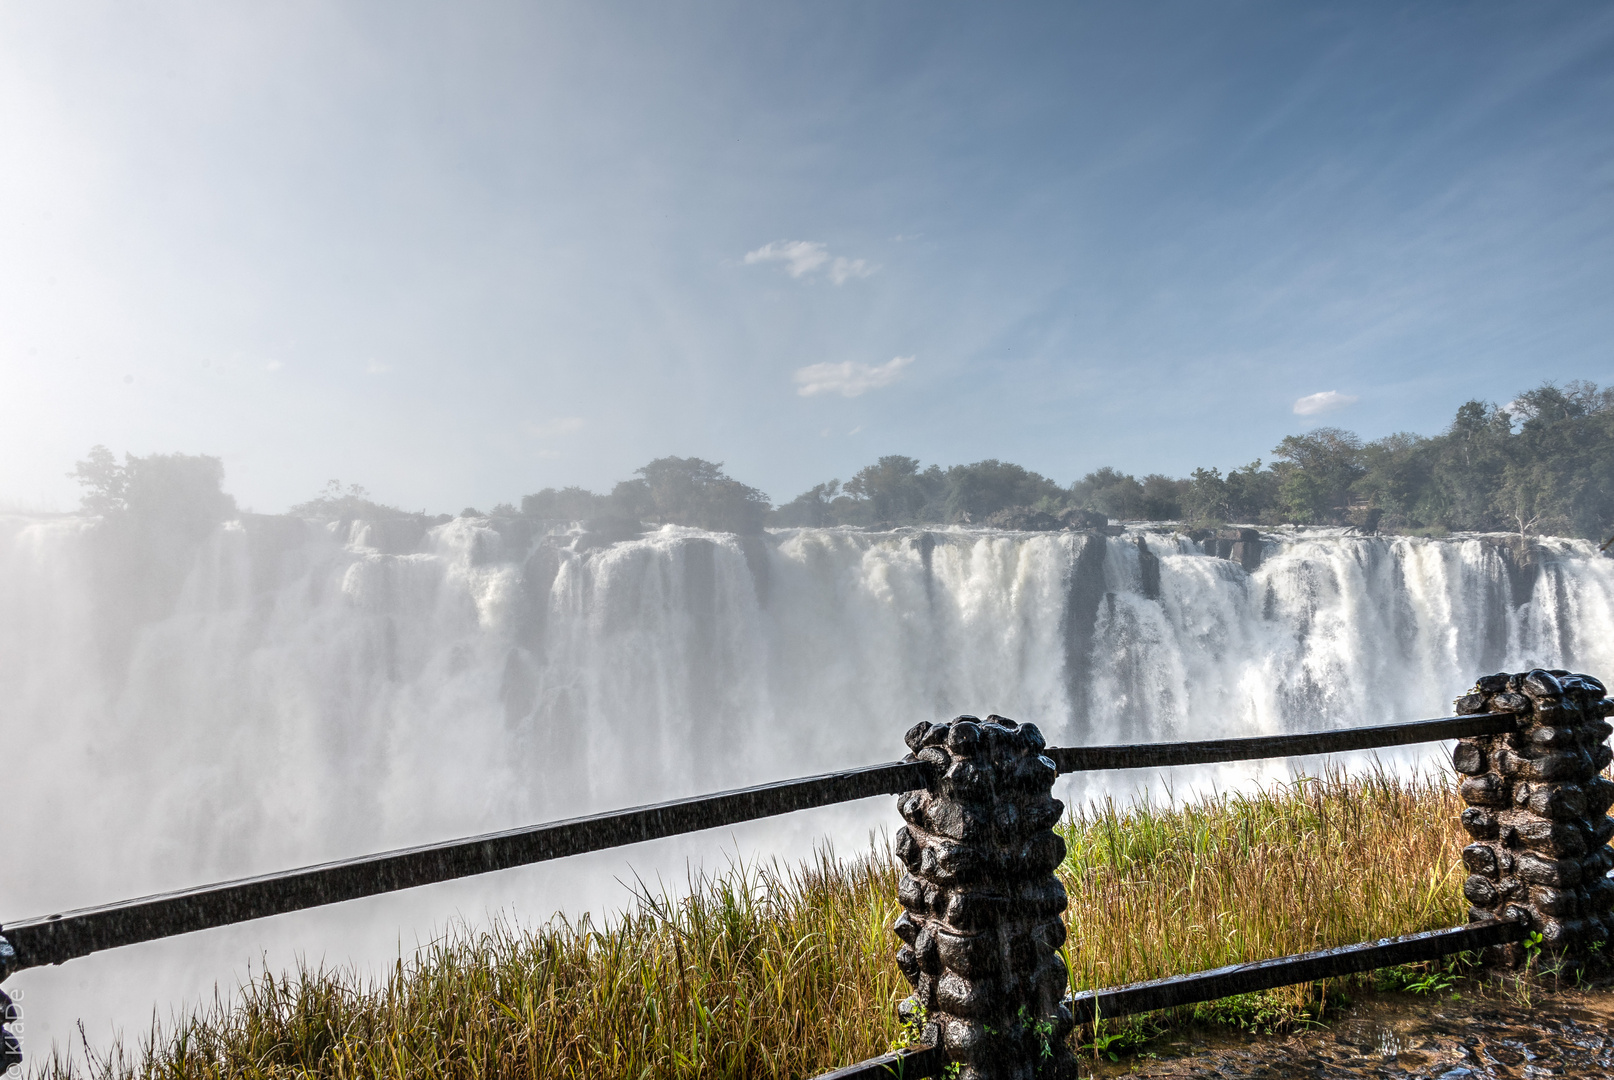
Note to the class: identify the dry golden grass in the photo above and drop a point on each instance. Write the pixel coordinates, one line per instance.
(1316, 863)
(774, 973)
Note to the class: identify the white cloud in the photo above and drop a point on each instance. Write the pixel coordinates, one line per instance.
(1327, 401)
(848, 379)
(554, 429)
(376, 367)
(273, 365)
(804, 258)
(799, 256)
(843, 270)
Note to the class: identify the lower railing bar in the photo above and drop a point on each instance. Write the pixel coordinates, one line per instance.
(912, 1063)
(1156, 755)
(1288, 970)
(55, 938)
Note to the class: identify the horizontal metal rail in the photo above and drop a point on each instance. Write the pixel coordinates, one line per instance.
(910, 1063)
(920, 1062)
(1071, 759)
(1288, 970)
(56, 938)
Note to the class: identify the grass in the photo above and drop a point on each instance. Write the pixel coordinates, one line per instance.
(770, 971)
(1158, 891)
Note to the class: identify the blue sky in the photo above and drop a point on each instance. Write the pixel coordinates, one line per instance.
(457, 253)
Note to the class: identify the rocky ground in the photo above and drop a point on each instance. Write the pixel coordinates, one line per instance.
(1485, 1031)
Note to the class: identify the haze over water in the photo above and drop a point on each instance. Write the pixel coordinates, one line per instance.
(313, 691)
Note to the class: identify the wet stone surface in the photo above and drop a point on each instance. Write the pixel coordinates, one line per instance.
(1479, 1035)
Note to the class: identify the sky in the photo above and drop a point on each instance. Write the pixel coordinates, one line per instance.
(458, 253)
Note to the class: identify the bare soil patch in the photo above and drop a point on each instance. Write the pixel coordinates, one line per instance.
(1484, 1032)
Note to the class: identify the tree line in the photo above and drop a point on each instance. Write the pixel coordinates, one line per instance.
(1541, 464)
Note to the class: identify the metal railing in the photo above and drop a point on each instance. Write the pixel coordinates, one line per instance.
(56, 938)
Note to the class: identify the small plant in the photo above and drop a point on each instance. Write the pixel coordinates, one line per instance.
(1425, 978)
(912, 1030)
(1042, 1031)
(1264, 1013)
(1111, 1040)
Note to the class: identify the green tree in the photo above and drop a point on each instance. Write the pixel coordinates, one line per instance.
(103, 479)
(1316, 472)
(1252, 494)
(174, 493)
(811, 508)
(976, 491)
(690, 491)
(1162, 498)
(1206, 503)
(1110, 492)
(896, 490)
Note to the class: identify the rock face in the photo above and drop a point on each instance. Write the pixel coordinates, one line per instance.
(1538, 813)
(981, 929)
(1242, 546)
(1148, 570)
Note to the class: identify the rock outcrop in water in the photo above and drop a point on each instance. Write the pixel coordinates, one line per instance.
(1538, 812)
(981, 930)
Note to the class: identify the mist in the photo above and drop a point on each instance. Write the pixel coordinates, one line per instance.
(195, 693)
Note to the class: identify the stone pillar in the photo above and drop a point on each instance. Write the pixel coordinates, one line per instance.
(1538, 813)
(981, 929)
(10, 1046)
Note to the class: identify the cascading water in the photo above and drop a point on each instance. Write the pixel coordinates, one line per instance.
(281, 691)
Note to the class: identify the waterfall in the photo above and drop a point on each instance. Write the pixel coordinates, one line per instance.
(282, 691)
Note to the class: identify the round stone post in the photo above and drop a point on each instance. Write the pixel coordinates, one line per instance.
(10, 1046)
(1538, 813)
(981, 930)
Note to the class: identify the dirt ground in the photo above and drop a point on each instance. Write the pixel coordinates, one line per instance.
(1484, 1032)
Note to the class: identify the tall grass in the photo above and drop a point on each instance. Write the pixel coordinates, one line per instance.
(781, 972)
(758, 971)
(1158, 891)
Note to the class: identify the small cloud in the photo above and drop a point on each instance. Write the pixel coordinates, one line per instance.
(556, 428)
(376, 367)
(854, 431)
(843, 270)
(803, 258)
(799, 256)
(1327, 401)
(848, 379)
(273, 365)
